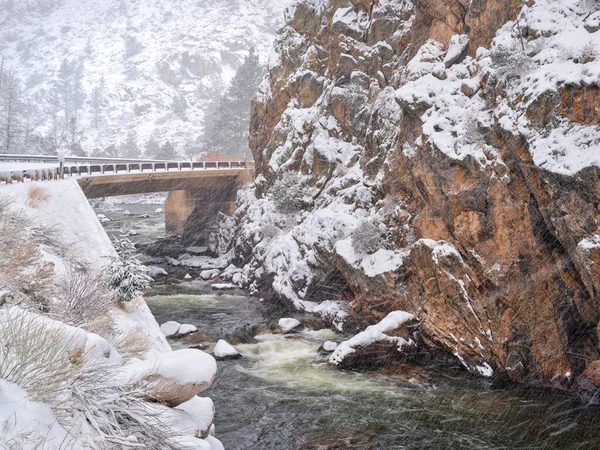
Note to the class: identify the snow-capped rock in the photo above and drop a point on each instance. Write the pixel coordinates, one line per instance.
(173, 378)
(223, 350)
(209, 274)
(170, 328)
(287, 325)
(329, 346)
(223, 286)
(186, 329)
(155, 271)
(202, 411)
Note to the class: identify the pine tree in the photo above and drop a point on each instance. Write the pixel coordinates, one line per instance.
(130, 148)
(179, 106)
(128, 276)
(97, 100)
(152, 147)
(229, 120)
(11, 113)
(166, 152)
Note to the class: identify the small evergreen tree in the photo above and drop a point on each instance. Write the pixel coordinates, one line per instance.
(166, 152)
(179, 106)
(367, 238)
(288, 194)
(229, 119)
(128, 276)
(152, 147)
(130, 148)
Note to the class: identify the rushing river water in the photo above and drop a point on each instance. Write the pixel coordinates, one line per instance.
(282, 395)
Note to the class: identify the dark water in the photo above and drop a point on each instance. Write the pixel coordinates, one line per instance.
(282, 395)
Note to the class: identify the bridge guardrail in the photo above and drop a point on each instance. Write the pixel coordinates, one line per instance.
(123, 166)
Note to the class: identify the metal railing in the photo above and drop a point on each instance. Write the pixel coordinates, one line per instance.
(99, 167)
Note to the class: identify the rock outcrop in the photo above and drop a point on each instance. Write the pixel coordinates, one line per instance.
(465, 134)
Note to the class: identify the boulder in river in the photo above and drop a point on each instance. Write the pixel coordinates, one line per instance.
(223, 351)
(173, 378)
(170, 328)
(287, 325)
(187, 329)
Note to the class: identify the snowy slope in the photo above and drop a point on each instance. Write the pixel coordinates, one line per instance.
(186, 48)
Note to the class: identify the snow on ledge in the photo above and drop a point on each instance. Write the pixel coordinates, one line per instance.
(373, 334)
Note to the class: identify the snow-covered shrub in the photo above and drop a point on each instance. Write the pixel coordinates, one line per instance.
(82, 297)
(510, 61)
(586, 54)
(288, 193)
(44, 358)
(21, 271)
(367, 238)
(128, 276)
(36, 195)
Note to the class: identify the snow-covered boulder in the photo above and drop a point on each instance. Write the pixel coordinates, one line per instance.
(155, 271)
(209, 274)
(347, 353)
(170, 328)
(223, 286)
(187, 329)
(159, 211)
(173, 378)
(223, 350)
(237, 278)
(215, 444)
(27, 424)
(329, 346)
(202, 412)
(195, 250)
(287, 325)
(187, 276)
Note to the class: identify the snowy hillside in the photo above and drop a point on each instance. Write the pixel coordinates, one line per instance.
(145, 65)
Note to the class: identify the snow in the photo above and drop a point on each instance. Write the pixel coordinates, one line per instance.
(187, 329)
(209, 274)
(373, 334)
(202, 412)
(28, 425)
(589, 243)
(195, 250)
(170, 328)
(155, 271)
(223, 286)
(224, 349)
(67, 210)
(187, 366)
(288, 324)
(329, 346)
(188, 48)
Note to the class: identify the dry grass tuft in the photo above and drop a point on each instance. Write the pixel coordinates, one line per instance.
(134, 343)
(36, 195)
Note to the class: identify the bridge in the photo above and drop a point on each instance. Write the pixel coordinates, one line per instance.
(199, 188)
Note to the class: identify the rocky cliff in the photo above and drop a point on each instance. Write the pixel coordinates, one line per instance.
(440, 158)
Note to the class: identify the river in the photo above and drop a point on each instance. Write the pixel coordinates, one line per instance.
(283, 395)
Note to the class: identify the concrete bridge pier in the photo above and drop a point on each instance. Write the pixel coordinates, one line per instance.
(191, 213)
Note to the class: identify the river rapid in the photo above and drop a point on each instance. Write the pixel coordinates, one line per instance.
(283, 395)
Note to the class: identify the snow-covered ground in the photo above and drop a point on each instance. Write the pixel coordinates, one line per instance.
(114, 362)
(148, 53)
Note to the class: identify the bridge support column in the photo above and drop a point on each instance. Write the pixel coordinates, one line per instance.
(178, 208)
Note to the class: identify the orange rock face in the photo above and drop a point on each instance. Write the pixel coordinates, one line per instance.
(519, 294)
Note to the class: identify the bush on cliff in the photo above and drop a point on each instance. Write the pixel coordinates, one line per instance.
(128, 276)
